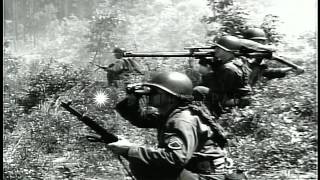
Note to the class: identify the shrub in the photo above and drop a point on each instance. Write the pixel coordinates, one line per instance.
(52, 79)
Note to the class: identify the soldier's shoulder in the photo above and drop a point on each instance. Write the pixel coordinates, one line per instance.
(231, 66)
(231, 69)
(182, 118)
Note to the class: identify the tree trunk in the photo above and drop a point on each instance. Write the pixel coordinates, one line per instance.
(5, 7)
(25, 10)
(213, 9)
(33, 28)
(65, 7)
(60, 9)
(14, 12)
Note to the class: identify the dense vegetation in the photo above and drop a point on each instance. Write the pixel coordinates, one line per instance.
(47, 54)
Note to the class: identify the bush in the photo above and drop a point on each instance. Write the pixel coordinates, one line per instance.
(270, 26)
(230, 18)
(52, 79)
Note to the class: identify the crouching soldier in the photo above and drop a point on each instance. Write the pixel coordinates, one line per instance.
(191, 146)
(122, 69)
(259, 66)
(225, 76)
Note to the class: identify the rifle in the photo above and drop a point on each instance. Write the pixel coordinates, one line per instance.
(271, 56)
(105, 136)
(253, 49)
(100, 67)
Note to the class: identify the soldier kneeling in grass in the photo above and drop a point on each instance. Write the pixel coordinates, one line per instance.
(191, 145)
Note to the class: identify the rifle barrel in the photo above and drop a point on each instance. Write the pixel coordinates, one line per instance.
(169, 54)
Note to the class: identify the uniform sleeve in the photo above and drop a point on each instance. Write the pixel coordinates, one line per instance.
(136, 116)
(116, 67)
(206, 79)
(180, 143)
(231, 81)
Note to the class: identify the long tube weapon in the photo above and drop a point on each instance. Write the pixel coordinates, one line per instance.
(250, 49)
(192, 52)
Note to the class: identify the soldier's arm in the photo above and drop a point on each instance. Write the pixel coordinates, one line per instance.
(231, 81)
(180, 144)
(232, 85)
(132, 112)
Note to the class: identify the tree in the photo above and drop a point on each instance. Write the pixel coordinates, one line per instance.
(270, 25)
(231, 17)
(228, 17)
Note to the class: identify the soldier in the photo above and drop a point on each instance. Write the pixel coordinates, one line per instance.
(190, 144)
(225, 76)
(258, 66)
(121, 68)
(255, 34)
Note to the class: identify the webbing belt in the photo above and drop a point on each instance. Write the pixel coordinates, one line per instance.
(216, 166)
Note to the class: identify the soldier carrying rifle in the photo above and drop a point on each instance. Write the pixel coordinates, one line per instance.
(258, 64)
(225, 76)
(191, 145)
(120, 68)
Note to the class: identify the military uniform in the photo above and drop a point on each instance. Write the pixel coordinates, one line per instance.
(185, 150)
(257, 37)
(260, 69)
(121, 70)
(227, 81)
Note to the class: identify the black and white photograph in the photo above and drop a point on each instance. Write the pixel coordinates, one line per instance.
(160, 90)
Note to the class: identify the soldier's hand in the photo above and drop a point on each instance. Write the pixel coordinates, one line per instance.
(132, 99)
(121, 146)
(243, 102)
(229, 162)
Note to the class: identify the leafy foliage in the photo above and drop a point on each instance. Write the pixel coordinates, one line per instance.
(66, 40)
(52, 79)
(275, 138)
(106, 24)
(269, 25)
(231, 18)
(276, 133)
(228, 17)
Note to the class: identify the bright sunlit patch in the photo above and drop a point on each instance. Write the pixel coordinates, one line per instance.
(101, 98)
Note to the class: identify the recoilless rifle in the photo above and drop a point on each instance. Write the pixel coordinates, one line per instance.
(248, 49)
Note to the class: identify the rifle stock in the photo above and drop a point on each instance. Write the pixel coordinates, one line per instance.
(106, 137)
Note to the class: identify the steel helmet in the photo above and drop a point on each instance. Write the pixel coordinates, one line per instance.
(228, 43)
(174, 83)
(118, 52)
(255, 34)
(200, 93)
